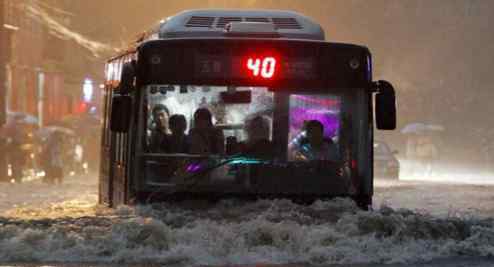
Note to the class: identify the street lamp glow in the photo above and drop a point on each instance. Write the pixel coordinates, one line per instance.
(87, 90)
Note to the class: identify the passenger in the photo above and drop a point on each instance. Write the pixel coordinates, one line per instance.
(178, 140)
(258, 143)
(204, 137)
(159, 133)
(315, 146)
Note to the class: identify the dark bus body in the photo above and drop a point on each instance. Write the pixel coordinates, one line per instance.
(312, 80)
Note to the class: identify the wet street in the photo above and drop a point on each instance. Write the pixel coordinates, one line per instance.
(78, 196)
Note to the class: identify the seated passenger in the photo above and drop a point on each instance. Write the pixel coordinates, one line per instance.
(315, 146)
(178, 140)
(257, 143)
(204, 137)
(159, 131)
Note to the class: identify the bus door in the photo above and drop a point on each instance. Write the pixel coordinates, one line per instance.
(114, 154)
(119, 165)
(105, 174)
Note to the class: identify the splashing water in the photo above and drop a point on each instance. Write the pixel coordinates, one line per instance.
(232, 232)
(64, 224)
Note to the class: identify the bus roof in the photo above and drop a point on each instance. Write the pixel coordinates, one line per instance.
(213, 22)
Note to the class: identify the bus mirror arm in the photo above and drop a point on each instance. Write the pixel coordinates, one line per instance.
(385, 107)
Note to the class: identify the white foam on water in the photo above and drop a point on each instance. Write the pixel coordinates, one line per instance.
(230, 232)
(64, 224)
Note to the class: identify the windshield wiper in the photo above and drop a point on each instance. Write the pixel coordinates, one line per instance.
(240, 158)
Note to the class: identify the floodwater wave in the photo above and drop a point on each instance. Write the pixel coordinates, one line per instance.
(235, 232)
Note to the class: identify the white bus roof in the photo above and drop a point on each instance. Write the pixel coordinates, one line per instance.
(205, 23)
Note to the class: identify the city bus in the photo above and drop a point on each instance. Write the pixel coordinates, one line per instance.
(232, 77)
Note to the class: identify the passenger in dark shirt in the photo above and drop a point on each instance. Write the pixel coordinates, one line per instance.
(204, 137)
(178, 141)
(159, 132)
(258, 133)
(315, 146)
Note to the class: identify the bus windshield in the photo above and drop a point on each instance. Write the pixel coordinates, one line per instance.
(189, 129)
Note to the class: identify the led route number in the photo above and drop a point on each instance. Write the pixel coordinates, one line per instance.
(265, 67)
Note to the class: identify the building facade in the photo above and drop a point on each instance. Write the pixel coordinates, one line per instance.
(45, 70)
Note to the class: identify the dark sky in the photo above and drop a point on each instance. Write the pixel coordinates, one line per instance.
(402, 34)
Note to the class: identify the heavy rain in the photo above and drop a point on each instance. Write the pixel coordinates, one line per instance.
(246, 133)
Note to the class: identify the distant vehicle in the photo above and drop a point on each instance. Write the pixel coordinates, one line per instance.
(386, 165)
(242, 65)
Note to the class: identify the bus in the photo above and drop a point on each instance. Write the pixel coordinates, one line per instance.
(289, 114)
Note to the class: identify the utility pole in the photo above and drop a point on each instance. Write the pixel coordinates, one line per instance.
(3, 64)
(3, 91)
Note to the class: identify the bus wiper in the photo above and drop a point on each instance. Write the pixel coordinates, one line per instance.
(239, 158)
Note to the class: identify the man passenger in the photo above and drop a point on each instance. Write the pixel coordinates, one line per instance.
(204, 137)
(178, 140)
(315, 146)
(159, 132)
(258, 133)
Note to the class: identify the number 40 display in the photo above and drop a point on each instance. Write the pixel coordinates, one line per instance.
(264, 67)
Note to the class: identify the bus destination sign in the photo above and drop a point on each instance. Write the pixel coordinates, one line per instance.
(266, 67)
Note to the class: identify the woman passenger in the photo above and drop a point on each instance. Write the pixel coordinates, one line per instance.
(204, 137)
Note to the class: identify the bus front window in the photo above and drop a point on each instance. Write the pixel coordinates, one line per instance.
(192, 136)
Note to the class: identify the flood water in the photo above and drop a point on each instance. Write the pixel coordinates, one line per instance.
(413, 222)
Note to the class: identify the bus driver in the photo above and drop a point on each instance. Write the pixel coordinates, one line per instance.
(315, 146)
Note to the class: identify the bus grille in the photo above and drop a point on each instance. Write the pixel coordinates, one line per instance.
(203, 22)
(265, 20)
(207, 22)
(286, 23)
(225, 20)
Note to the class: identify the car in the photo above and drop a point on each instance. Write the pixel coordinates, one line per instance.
(386, 165)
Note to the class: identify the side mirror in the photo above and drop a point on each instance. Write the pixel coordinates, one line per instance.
(127, 77)
(385, 106)
(120, 111)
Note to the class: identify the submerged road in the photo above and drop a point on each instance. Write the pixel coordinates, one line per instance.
(460, 262)
(414, 224)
